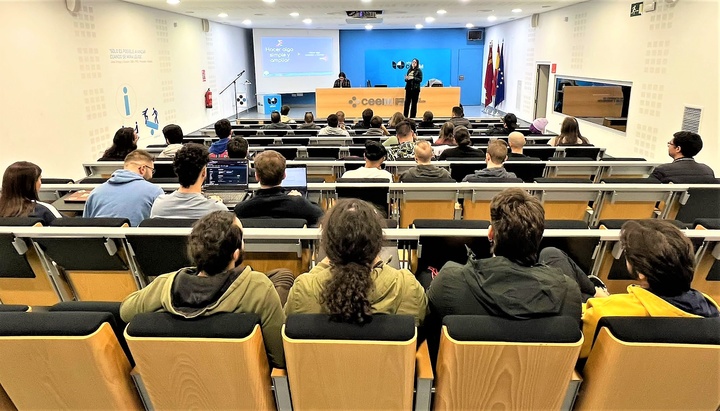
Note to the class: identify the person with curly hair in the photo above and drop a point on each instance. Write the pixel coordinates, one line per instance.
(190, 165)
(123, 144)
(352, 283)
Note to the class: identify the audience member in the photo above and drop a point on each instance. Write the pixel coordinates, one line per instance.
(19, 196)
(190, 165)
(427, 120)
(352, 282)
(684, 169)
(458, 117)
(424, 171)
(509, 125)
(332, 128)
(444, 139)
(464, 147)
(375, 154)
(569, 134)
(309, 122)
(538, 126)
(284, 111)
(495, 157)
(123, 143)
(341, 121)
(271, 200)
(127, 193)
(367, 115)
(517, 142)
(396, 119)
(376, 127)
(218, 283)
(662, 259)
(511, 284)
(237, 147)
(276, 124)
(174, 140)
(405, 147)
(223, 130)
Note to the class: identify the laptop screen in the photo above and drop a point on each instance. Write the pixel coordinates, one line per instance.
(295, 177)
(227, 174)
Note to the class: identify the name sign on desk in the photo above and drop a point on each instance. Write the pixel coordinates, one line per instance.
(379, 101)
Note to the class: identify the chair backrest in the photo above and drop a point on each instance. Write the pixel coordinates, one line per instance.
(526, 171)
(697, 204)
(653, 363)
(484, 362)
(326, 152)
(273, 222)
(460, 169)
(334, 365)
(57, 180)
(583, 152)
(378, 196)
(224, 365)
(82, 366)
(435, 251)
(296, 141)
(543, 153)
(90, 222)
(159, 254)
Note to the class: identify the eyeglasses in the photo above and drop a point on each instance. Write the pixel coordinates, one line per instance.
(152, 169)
(670, 143)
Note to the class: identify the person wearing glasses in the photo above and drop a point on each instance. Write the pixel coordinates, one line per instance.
(683, 148)
(127, 193)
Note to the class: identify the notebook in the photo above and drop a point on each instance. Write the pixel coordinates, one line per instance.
(227, 179)
(80, 196)
(295, 178)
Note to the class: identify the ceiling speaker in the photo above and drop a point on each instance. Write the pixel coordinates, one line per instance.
(205, 25)
(535, 20)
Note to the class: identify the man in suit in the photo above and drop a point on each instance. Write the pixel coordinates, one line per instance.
(684, 169)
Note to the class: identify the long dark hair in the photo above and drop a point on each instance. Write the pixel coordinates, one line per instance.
(19, 189)
(570, 133)
(123, 144)
(446, 134)
(352, 239)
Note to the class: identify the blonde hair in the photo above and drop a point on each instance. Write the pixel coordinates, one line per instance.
(423, 152)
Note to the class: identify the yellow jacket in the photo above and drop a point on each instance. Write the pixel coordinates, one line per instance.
(395, 292)
(638, 302)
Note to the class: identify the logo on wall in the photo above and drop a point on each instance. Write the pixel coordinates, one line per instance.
(125, 101)
(152, 125)
(398, 101)
(272, 101)
(401, 65)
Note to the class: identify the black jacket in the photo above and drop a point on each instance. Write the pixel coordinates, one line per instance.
(684, 171)
(275, 203)
(463, 152)
(414, 83)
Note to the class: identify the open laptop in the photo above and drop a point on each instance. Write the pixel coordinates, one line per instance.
(295, 178)
(227, 179)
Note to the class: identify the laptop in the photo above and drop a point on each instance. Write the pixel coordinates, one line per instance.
(295, 178)
(227, 179)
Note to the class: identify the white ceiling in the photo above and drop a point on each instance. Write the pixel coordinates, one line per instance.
(330, 14)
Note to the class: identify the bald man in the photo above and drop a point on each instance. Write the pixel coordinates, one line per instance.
(424, 171)
(517, 142)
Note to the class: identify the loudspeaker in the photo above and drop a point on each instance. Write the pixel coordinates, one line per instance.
(535, 21)
(205, 25)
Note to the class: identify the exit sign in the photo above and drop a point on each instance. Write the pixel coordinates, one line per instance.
(636, 9)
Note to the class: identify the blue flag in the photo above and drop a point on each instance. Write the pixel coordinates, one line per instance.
(500, 86)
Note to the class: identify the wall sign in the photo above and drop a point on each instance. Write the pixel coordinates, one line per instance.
(636, 9)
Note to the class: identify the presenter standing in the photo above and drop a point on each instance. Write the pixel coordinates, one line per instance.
(413, 79)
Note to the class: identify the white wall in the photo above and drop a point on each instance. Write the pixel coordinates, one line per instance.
(62, 85)
(670, 56)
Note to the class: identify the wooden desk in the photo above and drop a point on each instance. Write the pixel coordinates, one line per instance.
(384, 101)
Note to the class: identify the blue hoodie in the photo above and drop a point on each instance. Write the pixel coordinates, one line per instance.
(125, 195)
(219, 146)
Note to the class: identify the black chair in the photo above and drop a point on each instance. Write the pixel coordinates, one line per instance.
(583, 152)
(275, 132)
(565, 225)
(354, 188)
(273, 222)
(645, 180)
(57, 180)
(543, 153)
(290, 153)
(700, 203)
(572, 159)
(460, 169)
(607, 158)
(452, 224)
(494, 180)
(363, 139)
(582, 250)
(295, 141)
(709, 223)
(435, 251)
(528, 172)
(13, 308)
(260, 141)
(93, 180)
(159, 254)
(151, 146)
(305, 132)
(323, 152)
(90, 222)
(563, 180)
(357, 151)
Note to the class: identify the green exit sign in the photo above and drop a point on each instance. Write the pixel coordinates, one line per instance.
(636, 9)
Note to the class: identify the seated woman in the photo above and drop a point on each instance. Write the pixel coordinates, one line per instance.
(661, 258)
(123, 143)
(509, 125)
(569, 134)
(352, 283)
(19, 197)
(464, 147)
(445, 139)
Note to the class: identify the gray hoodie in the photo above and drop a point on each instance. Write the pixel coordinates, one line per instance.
(425, 172)
(498, 172)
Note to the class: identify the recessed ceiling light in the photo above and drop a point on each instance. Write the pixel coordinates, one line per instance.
(368, 27)
(492, 18)
(366, 1)
(441, 12)
(247, 22)
(418, 26)
(429, 19)
(269, 1)
(485, 11)
(516, 10)
(546, 6)
(294, 14)
(173, 1)
(469, 25)
(223, 15)
(307, 21)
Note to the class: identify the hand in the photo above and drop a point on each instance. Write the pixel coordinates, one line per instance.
(325, 260)
(601, 292)
(216, 198)
(408, 78)
(294, 193)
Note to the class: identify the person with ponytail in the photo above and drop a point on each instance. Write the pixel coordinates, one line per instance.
(352, 283)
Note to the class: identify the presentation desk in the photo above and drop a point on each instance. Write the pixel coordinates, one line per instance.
(384, 101)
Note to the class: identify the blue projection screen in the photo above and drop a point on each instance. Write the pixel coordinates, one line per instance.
(297, 56)
(379, 67)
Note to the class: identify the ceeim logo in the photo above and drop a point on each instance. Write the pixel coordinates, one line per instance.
(387, 101)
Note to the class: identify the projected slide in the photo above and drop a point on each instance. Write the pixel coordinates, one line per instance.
(297, 56)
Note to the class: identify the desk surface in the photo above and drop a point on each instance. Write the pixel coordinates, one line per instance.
(384, 101)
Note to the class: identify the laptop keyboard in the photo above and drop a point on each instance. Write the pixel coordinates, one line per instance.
(229, 198)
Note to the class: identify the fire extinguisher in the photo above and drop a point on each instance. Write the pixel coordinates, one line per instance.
(208, 99)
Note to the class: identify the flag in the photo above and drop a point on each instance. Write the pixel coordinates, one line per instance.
(500, 85)
(497, 66)
(489, 78)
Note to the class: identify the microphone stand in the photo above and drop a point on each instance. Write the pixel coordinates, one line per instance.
(234, 84)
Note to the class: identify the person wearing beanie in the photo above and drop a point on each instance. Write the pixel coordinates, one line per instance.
(538, 126)
(375, 154)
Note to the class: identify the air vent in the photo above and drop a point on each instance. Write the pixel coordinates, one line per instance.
(691, 119)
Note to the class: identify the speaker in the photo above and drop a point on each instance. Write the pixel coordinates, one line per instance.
(535, 21)
(475, 35)
(205, 25)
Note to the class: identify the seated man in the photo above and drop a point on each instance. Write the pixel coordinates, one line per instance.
(174, 139)
(223, 130)
(425, 171)
(284, 111)
(190, 165)
(276, 124)
(517, 142)
(341, 121)
(367, 115)
(272, 200)
(661, 257)
(332, 128)
(427, 120)
(684, 169)
(218, 283)
(511, 284)
(309, 122)
(495, 157)
(405, 149)
(376, 127)
(127, 193)
(458, 117)
(237, 147)
(374, 156)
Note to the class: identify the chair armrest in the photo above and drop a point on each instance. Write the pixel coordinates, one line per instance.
(281, 389)
(423, 378)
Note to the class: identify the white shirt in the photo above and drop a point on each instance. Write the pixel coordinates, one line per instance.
(365, 172)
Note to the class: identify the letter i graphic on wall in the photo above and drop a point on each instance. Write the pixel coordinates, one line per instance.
(126, 100)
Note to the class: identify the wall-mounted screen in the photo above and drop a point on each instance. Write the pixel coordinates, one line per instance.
(603, 102)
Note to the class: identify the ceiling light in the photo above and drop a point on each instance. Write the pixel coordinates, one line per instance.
(418, 26)
(516, 10)
(366, 1)
(269, 1)
(492, 18)
(173, 1)
(307, 21)
(469, 25)
(429, 19)
(368, 27)
(223, 15)
(294, 14)
(441, 12)
(247, 22)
